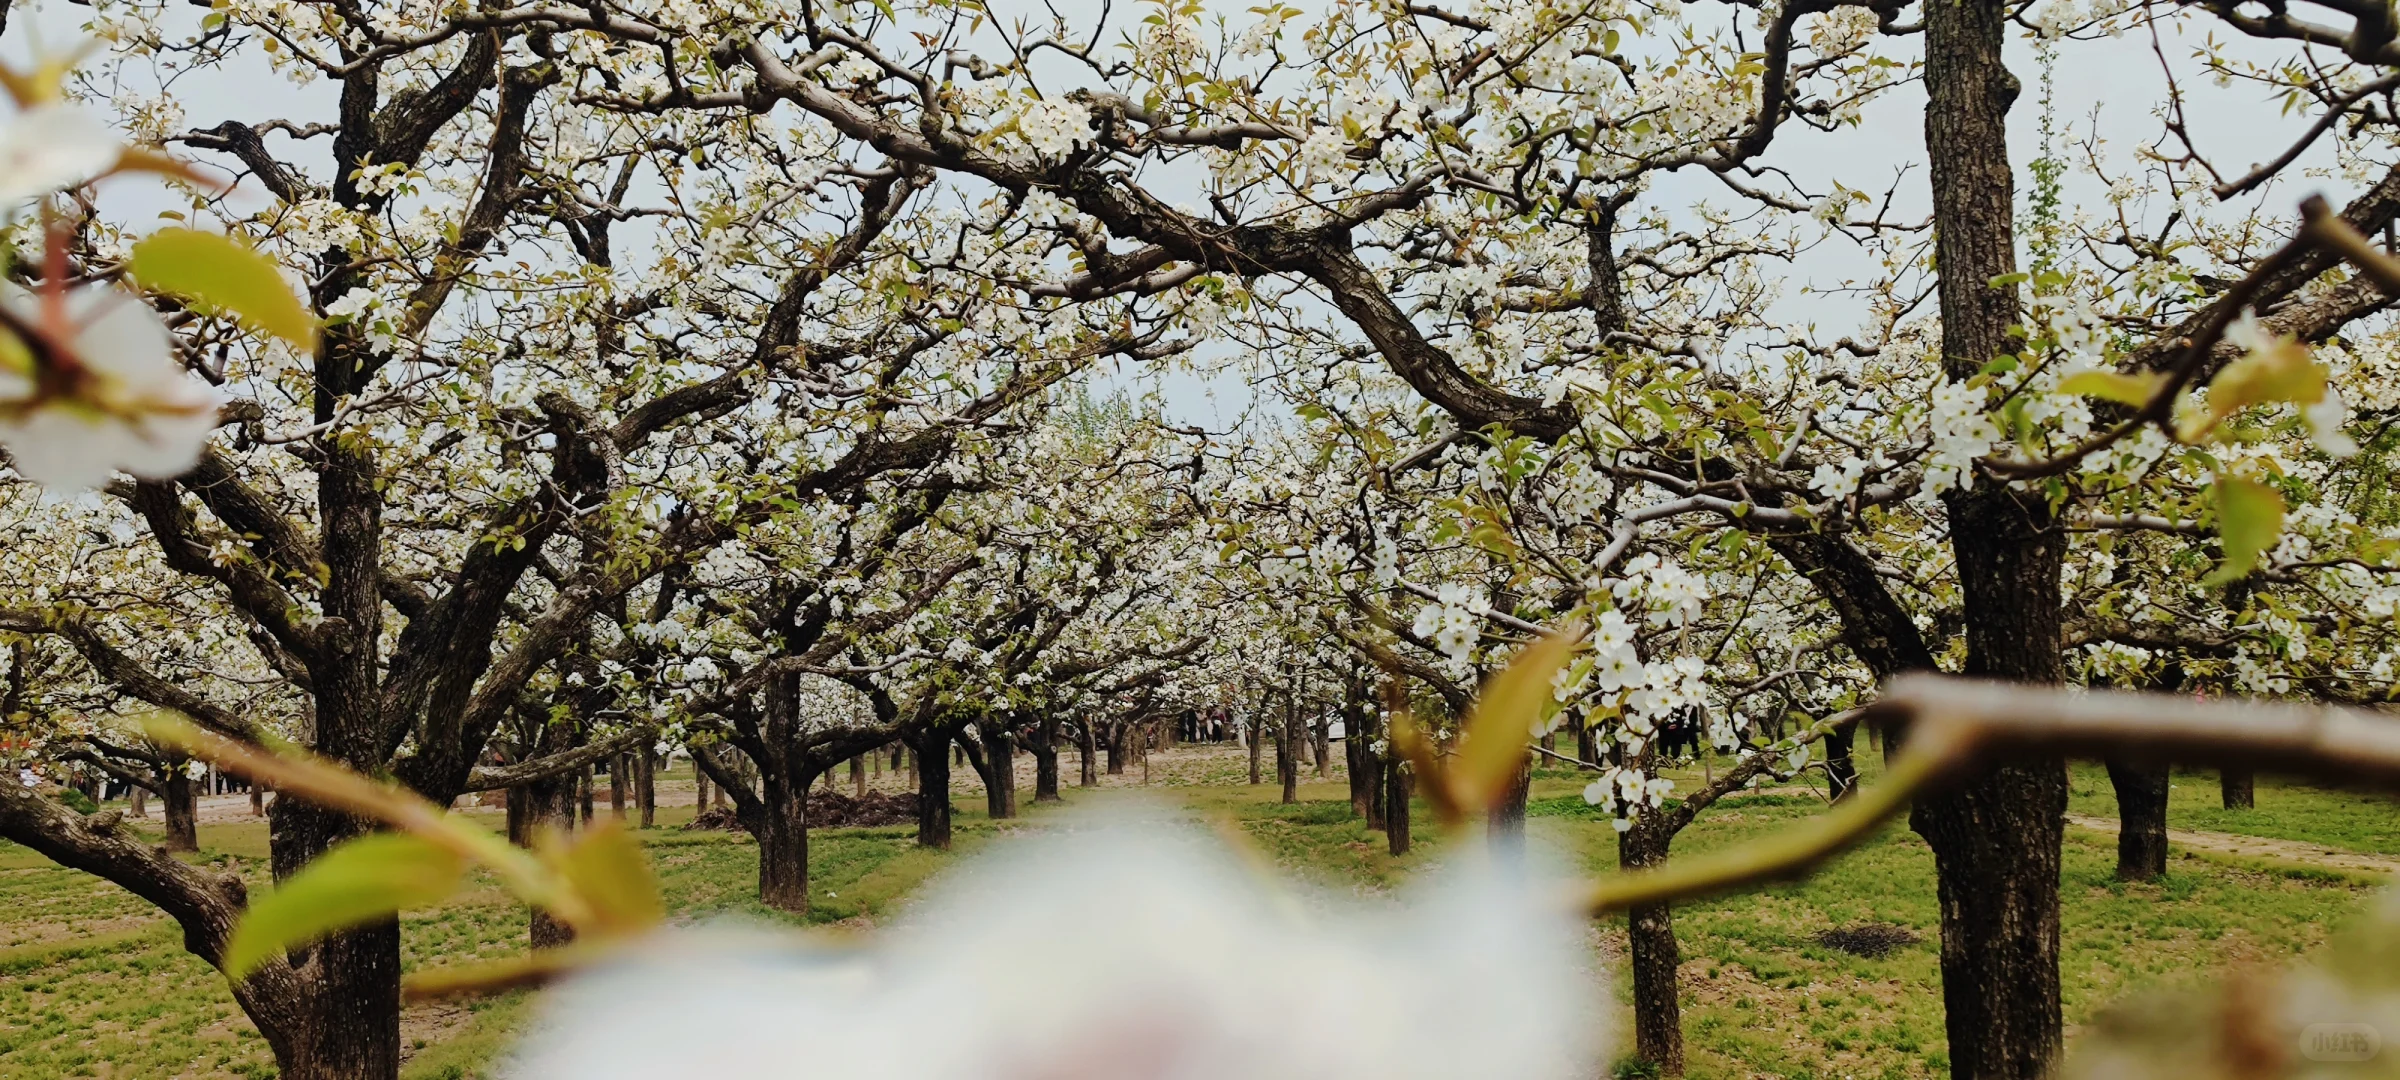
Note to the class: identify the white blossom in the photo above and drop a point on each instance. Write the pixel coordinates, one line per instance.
(115, 398)
(1053, 128)
(1105, 953)
(53, 146)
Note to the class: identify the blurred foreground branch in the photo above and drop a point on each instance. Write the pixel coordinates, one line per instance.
(1955, 725)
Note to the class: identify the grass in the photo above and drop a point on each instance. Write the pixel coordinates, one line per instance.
(93, 983)
(2285, 810)
(1762, 996)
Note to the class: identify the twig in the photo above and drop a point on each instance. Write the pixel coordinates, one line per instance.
(2320, 228)
(1788, 853)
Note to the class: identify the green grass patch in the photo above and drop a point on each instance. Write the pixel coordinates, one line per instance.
(2285, 810)
(94, 981)
(1761, 996)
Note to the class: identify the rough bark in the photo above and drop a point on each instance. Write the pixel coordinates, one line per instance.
(532, 807)
(2141, 788)
(1651, 953)
(646, 787)
(182, 810)
(1995, 836)
(782, 832)
(2238, 788)
(1841, 771)
(932, 753)
(999, 768)
(1320, 743)
(1087, 754)
(617, 767)
(1258, 739)
(1045, 760)
(1287, 753)
(1395, 806)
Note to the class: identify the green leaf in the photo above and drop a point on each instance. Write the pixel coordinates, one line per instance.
(217, 273)
(2114, 386)
(370, 878)
(605, 866)
(2280, 369)
(2249, 519)
(1503, 721)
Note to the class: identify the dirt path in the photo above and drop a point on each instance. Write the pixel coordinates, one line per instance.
(2256, 847)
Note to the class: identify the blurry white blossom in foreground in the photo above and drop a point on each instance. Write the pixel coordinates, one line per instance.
(110, 396)
(1117, 952)
(53, 146)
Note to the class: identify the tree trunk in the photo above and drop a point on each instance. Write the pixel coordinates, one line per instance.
(519, 801)
(183, 811)
(531, 807)
(999, 770)
(1045, 760)
(1087, 751)
(617, 767)
(1287, 754)
(699, 789)
(1320, 743)
(932, 756)
(137, 802)
(583, 793)
(2141, 818)
(1995, 836)
(1841, 772)
(1652, 954)
(1395, 805)
(1354, 762)
(782, 831)
(1258, 737)
(1587, 745)
(348, 1025)
(258, 799)
(858, 777)
(2239, 788)
(1506, 826)
(646, 787)
(1371, 784)
(1357, 738)
(1117, 735)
